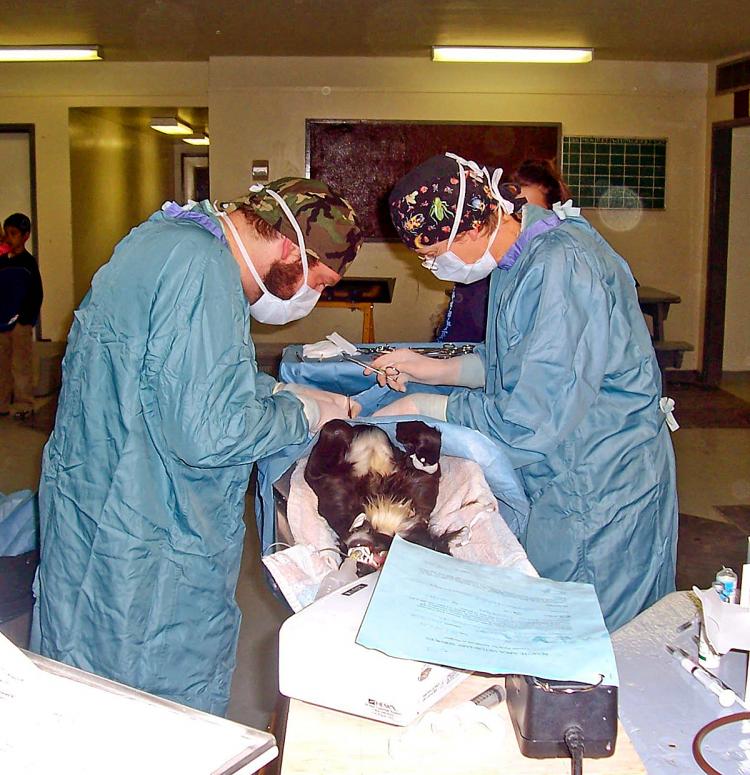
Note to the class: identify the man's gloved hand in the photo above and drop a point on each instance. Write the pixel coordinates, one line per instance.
(330, 410)
(320, 406)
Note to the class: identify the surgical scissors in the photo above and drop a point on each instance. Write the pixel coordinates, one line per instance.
(389, 372)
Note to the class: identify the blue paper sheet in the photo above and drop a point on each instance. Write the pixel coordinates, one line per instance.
(435, 608)
(341, 376)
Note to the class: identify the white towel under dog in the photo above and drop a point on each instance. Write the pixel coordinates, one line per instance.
(464, 499)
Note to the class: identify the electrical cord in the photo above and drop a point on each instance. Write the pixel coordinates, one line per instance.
(706, 730)
(574, 740)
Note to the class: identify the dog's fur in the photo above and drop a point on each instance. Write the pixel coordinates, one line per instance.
(369, 490)
(371, 452)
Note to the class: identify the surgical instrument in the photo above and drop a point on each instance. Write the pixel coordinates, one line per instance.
(389, 372)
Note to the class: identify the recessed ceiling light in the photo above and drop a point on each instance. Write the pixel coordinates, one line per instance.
(199, 140)
(508, 54)
(170, 125)
(49, 53)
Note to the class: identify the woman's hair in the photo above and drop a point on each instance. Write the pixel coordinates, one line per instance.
(541, 173)
(489, 224)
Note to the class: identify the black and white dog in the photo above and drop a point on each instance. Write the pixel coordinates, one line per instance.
(370, 490)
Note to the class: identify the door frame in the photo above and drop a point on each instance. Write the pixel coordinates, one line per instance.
(718, 249)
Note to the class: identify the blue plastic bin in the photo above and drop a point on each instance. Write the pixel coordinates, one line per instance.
(19, 557)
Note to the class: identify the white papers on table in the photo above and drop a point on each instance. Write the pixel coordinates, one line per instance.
(435, 608)
(331, 347)
(52, 724)
(727, 625)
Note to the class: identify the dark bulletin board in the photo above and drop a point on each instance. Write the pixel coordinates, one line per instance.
(362, 160)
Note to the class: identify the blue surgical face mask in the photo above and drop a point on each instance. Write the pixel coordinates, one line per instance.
(448, 266)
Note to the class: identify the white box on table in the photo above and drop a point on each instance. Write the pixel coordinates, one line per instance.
(319, 662)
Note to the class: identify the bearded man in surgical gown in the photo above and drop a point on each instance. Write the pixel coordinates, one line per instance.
(162, 413)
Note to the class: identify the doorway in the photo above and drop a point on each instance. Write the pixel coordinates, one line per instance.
(17, 161)
(736, 354)
(121, 171)
(723, 192)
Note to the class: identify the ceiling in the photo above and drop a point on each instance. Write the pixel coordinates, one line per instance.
(194, 30)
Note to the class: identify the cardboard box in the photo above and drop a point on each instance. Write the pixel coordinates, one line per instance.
(319, 662)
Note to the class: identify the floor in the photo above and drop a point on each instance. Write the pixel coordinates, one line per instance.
(713, 467)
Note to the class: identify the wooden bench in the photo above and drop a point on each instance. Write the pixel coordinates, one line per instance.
(669, 354)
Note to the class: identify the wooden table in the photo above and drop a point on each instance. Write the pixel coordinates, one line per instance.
(361, 293)
(368, 316)
(327, 742)
(656, 303)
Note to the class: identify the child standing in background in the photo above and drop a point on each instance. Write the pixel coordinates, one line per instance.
(20, 302)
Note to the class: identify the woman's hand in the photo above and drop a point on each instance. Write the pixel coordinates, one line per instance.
(398, 408)
(403, 366)
(432, 405)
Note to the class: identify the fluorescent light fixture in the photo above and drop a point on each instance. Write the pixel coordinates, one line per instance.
(508, 54)
(171, 126)
(199, 140)
(49, 53)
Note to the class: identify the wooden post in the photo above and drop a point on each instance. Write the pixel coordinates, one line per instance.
(368, 323)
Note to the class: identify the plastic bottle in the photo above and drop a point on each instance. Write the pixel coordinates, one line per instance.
(728, 579)
(345, 573)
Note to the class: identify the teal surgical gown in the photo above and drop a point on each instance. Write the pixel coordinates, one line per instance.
(162, 413)
(572, 393)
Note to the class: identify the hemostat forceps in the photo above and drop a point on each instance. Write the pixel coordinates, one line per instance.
(389, 372)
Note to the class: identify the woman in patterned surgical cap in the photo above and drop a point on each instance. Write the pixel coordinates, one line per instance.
(566, 382)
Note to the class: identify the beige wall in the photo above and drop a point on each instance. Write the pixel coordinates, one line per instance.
(737, 319)
(119, 175)
(258, 110)
(41, 94)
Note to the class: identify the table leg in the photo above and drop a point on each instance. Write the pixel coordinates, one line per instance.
(277, 727)
(368, 324)
(660, 313)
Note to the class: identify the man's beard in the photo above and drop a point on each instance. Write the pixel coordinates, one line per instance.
(283, 279)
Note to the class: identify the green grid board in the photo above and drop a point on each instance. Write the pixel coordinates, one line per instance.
(615, 173)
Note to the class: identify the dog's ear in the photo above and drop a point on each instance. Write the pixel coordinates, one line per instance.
(330, 449)
(409, 433)
(420, 438)
(336, 434)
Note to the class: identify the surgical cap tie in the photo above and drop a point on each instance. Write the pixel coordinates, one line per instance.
(565, 210)
(493, 183)
(257, 188)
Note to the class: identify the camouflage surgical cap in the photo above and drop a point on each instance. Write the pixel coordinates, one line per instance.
(328, 222)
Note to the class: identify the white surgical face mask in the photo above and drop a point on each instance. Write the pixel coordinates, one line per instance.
(448, 266)
(270, 308)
